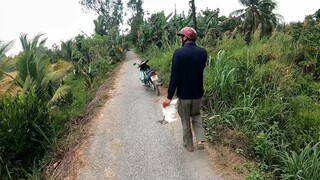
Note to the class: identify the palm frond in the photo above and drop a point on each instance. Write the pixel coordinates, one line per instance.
(67, 49)
(42, 65)
(237, 13)
(4, 48)
(14, 87)
(54, 78)
(5, 66)
(169, 16)
(35, 42)
(22, 66)
(42, 42)
(7, 74)
(279, 18)
(61, 92)
(24, 42)
(61, 65)
(27, 45)
(29, 84)
(246, 2)
(32, 68)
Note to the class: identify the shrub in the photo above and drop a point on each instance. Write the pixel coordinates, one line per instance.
(24, 132)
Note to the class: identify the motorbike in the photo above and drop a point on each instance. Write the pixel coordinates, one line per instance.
(148, 76)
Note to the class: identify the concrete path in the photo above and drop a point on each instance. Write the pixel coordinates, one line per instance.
(127, 142)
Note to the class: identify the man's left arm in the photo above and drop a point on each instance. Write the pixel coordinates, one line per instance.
(173, 79)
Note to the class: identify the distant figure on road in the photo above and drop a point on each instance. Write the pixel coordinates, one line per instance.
(188, 63)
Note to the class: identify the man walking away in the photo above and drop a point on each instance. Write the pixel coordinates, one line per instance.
(188, 63)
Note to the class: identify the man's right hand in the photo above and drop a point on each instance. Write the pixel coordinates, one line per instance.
(166, 102)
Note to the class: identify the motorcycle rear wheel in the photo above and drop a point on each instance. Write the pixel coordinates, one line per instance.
(154, 87)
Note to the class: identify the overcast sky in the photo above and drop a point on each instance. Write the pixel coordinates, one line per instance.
(61, 20)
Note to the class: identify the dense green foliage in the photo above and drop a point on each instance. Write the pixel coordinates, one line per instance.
(262, 94)
(110, 13)
(136, 20)
(36, 109)
(262, 89)
(25, 130)
(257, 16)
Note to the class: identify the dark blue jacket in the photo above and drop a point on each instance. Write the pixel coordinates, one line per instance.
(187, 68)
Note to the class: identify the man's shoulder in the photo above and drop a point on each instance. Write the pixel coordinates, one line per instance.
(178, 50)
(185, 49)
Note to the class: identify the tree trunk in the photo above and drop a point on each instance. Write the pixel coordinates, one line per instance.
(193, 8)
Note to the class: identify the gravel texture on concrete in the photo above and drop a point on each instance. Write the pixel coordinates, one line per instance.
(128, 143)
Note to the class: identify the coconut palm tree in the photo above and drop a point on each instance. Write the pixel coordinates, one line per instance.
(258, 14)
(34, 74)
(4, 48)
(70, 53)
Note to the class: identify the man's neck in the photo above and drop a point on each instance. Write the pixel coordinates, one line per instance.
(188, 42)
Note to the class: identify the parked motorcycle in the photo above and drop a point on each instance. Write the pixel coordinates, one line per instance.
(148, 76)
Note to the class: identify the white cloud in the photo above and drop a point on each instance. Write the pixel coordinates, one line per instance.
(59, 20)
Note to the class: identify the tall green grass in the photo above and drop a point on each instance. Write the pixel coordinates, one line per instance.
(303, 165)
(258, 90)
(160, 59)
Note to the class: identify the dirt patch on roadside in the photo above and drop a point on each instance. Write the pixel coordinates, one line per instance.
(227, 162)
(236, 140)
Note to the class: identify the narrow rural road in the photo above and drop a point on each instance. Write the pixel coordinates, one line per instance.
(127, 143)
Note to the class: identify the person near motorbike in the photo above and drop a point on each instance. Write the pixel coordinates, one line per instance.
(188, 63)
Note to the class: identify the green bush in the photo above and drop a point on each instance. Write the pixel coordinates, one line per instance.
(262, 90)
(24, 132)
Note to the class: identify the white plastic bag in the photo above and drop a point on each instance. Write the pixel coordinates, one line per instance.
(170, 112)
